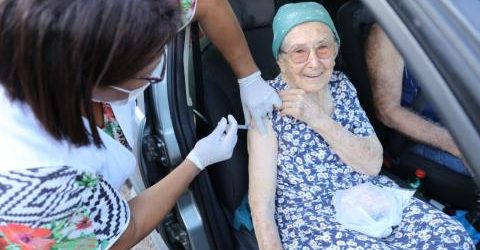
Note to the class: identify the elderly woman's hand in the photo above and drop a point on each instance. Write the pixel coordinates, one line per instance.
(302, 105)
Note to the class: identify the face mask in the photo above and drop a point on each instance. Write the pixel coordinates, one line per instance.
(132, 94)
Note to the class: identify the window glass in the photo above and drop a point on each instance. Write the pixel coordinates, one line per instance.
(469, 10)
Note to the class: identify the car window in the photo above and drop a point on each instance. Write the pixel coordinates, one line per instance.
(469, 10)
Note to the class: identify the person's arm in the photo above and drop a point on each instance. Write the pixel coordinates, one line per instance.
(149, 208)
(385, 67)
(219, 23)
(363, 153)
(221, 26)
(262, 171)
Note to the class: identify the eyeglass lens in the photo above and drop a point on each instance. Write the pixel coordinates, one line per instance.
(154, 79)
(300, 54)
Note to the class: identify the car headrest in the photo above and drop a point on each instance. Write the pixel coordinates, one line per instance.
(253, 14)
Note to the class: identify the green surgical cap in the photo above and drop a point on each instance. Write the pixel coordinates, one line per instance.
(293, 14)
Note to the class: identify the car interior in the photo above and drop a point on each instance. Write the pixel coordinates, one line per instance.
(221, 96)
(353, 24)
(221, 190)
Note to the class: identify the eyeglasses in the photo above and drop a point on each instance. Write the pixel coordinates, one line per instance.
(300, 54)
(152, 79)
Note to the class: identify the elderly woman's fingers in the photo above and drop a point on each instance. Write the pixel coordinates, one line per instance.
(292, 111)
(293, 96)
(286, 105)
(291, 92)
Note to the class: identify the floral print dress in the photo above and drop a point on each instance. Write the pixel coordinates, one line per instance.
(309, 172)
(59, 208)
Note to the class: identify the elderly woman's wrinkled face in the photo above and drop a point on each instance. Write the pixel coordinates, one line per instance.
(307, 56)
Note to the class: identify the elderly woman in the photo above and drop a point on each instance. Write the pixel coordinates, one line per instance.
(319, 142)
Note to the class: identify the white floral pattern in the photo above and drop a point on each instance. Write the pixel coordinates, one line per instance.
(309, 172)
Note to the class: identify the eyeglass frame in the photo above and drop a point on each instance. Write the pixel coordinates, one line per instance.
(155, 80)
(329, 45)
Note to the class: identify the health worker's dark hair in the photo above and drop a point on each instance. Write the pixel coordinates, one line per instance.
(53, 53)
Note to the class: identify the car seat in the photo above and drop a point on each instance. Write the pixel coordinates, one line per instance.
(220, 96)
(353, 24)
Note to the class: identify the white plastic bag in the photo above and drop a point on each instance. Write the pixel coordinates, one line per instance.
(370, 209)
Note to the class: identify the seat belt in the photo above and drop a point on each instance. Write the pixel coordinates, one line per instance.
(419, 102)
(197, 67)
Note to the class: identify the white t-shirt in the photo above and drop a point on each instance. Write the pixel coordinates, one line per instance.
(25, 144)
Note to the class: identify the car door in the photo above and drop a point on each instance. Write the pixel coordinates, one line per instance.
(167, 135)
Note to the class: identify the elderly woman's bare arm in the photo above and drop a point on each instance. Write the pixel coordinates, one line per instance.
(363, 154)
(262, 168)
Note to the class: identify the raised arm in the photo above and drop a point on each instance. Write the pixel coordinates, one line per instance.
(262, 169)
(149, 208)
(385, 68)
(221, 26)
(363, 153)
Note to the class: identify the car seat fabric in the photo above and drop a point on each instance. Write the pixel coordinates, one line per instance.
(353, 24)
(220, 96)
(253, 14)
